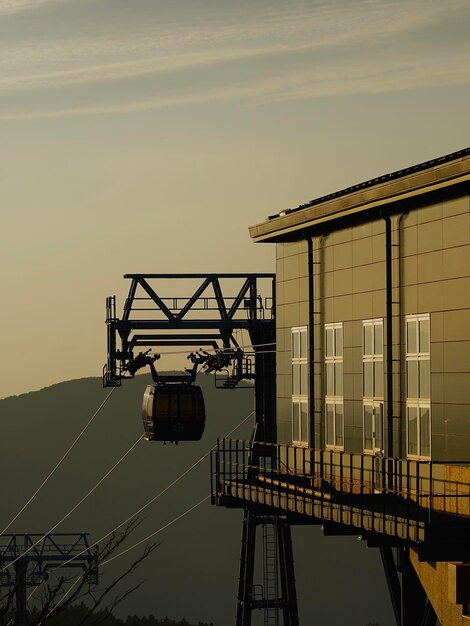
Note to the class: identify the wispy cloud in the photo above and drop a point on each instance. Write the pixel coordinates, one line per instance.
(10, 7)
(372, 77)
(331, 49)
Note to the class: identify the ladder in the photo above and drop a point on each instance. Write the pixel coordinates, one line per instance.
(270, 572)
(276, 596)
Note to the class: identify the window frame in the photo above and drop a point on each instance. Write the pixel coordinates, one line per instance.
(418, 402)
(374, 401)
(335, 400)
(301, 399)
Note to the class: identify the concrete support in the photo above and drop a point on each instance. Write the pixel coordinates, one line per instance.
(413, 596)
(447, 585)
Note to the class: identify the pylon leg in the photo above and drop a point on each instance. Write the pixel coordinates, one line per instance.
(393, 581)
(415, 606)
(247, 564)
(21, 612)
(287, 574)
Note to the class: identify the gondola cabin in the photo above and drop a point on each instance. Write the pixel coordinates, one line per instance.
(173, 412)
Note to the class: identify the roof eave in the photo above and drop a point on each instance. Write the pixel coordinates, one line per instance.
(408, 187)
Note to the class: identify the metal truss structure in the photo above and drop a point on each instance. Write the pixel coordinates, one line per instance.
(217, 306)
(43, 552)
(151, 318)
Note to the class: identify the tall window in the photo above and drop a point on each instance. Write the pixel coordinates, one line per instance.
(418, 385)
(373, 384)
(334, 422)
(300, 385)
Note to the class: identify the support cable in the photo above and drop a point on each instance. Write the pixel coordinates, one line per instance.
(135, 545)
(58, 464)
(155, 532)
(156, 497)
(75, 507)
(256, 345)
(132, 516)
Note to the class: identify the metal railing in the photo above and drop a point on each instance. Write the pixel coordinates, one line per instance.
(398, 497)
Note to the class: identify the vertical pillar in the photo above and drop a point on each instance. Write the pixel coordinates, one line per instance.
(265, 384)
(247, 564)
(311, 340)
(286, 562)
(21, 612)
(415, 607)
(393, 581)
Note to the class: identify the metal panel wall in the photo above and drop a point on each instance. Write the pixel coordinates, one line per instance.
(431, 274)
(291, 311)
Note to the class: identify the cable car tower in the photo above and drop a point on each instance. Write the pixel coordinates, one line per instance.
(43, 552)
(173, 407)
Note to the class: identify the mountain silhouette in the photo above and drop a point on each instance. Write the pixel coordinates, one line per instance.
(194, 571)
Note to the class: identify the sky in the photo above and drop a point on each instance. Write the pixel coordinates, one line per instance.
(146, 136)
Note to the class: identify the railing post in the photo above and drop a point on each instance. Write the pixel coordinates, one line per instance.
(408, 492)
(350, 468)
(361, 479)
(321, 483)
(341, 478)
(431, 489)
(212, 475)
(295, 479)
(304, 481)
(418, 499)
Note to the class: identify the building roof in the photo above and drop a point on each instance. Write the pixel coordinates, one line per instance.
(414, 181)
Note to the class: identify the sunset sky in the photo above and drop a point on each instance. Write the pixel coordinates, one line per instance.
(147, 135)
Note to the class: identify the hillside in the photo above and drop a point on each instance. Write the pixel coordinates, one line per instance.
(194, 572)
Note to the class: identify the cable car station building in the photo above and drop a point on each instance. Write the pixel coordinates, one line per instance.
(372, 407)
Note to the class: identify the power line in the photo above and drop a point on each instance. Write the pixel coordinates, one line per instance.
(135, 545)
(180, 516)
(257, 345)
(75, 507)
(132, 516)
(161, 493)
(58, 464)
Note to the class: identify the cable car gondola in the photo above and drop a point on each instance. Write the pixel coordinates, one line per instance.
(173, 411)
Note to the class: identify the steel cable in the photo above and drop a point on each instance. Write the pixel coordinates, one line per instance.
(155, 532)
(156, 497)
(257, 345)
(75, 507)
(151, 501)
(58, 464)
(135, 545)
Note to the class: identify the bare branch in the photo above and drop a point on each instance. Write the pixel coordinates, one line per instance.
(147, 551)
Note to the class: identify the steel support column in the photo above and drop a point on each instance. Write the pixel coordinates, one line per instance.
(393, 581)
(21, 612)
(287, 574)
(247, 564)
(416, 610)
(246, 602)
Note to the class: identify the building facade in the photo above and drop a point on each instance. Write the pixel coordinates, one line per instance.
(372, 419)
(373, 315)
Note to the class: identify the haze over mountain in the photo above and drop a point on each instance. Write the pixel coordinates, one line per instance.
(194, 571)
